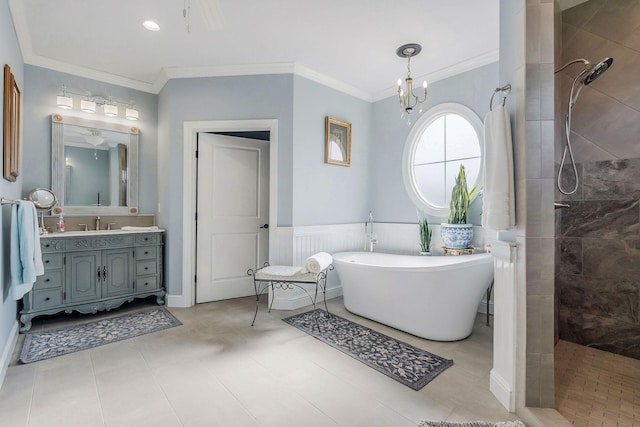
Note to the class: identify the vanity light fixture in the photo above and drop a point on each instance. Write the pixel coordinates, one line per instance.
(110, 109)
(87, 105)
(408, 100)
(89, 102)
(64, 101)
(131, 113)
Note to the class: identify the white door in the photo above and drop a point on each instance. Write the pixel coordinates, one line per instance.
(232, 208)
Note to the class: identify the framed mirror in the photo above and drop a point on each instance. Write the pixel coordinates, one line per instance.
(94, 166)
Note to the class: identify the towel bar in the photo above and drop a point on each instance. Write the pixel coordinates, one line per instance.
(9, 201)
(506, 89)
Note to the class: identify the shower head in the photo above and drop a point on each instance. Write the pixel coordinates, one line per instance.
(597, 70)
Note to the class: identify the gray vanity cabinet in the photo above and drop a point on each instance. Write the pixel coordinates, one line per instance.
(97, 274)
(93, 273)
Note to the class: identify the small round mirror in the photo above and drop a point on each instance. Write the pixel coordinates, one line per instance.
(43, 198)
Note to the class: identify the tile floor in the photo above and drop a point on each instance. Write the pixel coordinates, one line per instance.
(216, 370)
(596, 388)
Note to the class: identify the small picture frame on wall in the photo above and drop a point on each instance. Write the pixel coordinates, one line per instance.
(337, 142)
(11, 142)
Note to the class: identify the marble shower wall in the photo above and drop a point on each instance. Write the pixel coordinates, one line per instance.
(598, 259)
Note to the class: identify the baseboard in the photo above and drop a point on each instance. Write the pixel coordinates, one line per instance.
(7, 352)
(177, 301)
(297, 301)
(501, 390)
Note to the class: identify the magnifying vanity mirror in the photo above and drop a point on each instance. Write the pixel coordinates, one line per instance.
(94, 166)
(43, 200)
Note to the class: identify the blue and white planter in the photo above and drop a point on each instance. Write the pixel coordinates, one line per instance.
(456, 236)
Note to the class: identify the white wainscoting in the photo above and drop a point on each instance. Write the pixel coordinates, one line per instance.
(293, 245)
(503, 374)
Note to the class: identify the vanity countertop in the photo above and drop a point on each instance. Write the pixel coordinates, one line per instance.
(99, 233)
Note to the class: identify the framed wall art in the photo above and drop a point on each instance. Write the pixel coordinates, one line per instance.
(11, 142)
(337, 142)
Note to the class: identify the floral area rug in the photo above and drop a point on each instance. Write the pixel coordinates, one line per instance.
(404, 363)
(56, 342)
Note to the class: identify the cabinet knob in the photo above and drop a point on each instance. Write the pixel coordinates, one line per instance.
(146, 268)
(47, 298)
(146, 252)
(47, 280)
(47, 262)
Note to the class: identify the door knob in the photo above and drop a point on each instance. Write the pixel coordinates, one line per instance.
(265, 226)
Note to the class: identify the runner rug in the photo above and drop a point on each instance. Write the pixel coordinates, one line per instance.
(56, 342)
(403, 362)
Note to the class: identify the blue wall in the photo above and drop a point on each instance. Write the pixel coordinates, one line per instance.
(325, 193)
(391, 202)
(208, 99)
(9, 54)
(40, 102)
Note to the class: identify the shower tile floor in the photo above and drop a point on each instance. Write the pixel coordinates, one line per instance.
(596, 388)
(216, 370)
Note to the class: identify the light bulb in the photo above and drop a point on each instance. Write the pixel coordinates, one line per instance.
(424, 84)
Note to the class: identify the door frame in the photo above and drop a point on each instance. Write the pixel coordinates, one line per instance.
(191, 130)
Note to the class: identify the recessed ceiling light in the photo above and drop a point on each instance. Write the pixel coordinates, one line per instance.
(151, 26)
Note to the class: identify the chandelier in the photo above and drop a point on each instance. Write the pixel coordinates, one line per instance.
(408, 100)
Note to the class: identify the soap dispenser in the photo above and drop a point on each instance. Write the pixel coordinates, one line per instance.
(61, 224)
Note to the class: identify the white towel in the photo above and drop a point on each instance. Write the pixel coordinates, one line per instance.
(498, 201)
(316, 263)
(26, 255)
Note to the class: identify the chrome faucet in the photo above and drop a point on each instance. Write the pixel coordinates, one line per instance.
(368, 231)
(98, 223)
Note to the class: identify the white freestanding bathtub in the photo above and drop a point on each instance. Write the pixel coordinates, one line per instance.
(433, 297)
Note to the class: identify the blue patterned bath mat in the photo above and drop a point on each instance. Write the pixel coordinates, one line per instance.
(403, 362)
(56, 342)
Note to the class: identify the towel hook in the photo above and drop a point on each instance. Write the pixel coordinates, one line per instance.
(506, 89)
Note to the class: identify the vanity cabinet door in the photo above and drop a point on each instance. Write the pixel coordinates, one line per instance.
(117, 278)
(84, 274)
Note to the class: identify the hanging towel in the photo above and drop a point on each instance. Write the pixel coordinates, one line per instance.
(498, 201)
(316, 263)
(26, 256)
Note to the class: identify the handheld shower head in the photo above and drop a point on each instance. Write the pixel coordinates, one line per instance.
(597, 70)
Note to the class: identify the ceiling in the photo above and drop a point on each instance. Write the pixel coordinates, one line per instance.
(347, 44)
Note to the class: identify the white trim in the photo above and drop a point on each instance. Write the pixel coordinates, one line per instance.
(177, 301)
(7, 352)
(501, 390)
(411, 144)
(191, 130)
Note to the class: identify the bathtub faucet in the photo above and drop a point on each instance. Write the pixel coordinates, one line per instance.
(368, 231)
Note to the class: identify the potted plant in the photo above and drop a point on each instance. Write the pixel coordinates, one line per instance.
(425, 235)
(456, 233)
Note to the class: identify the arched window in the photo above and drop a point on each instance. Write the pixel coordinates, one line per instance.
(445, 137)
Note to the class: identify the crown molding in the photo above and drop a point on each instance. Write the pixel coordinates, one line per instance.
(459, 68)
(336, 84)
(89, 73)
